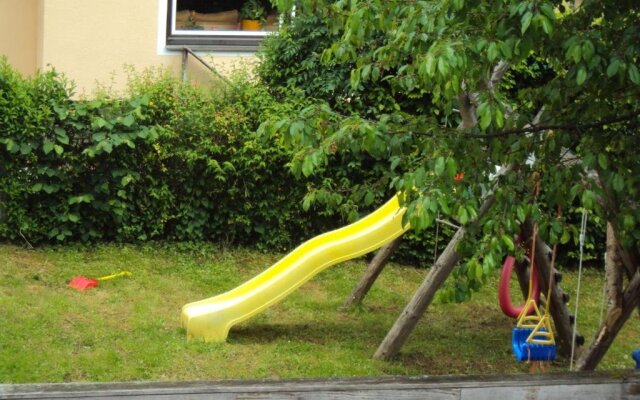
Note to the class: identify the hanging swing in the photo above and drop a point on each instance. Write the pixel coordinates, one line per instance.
(532, 339)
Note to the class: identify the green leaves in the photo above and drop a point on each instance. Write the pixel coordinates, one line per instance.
(613, 67)
(307, 166)
(525, 21)
(484, 114)
(439, 166)
(545, 23)
(589, 199)
(126, 180)
(588, 50)
(128, 120)
(47, 147)
(506, 239)
(11, 145)
(79, 199)
(61, 135)
(574, 51)
(581, 75)
(602, 161)
(443, 67)
(634, 75)
(492, 52)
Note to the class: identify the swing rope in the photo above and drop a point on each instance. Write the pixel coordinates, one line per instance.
(532, 256)
(583, 229)
(435, 246)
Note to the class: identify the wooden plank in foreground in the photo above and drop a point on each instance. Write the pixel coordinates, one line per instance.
(623, 385)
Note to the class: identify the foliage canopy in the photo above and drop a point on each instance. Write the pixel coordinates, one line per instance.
(549, 88)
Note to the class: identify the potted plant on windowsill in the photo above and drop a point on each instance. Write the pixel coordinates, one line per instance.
(252, 15)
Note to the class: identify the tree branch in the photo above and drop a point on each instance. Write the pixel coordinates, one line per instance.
(532, 128)
(498, 73)
(467, 112)
(469, 101)
(575, 127)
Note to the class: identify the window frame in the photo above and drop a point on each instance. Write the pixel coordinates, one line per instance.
(234, 41)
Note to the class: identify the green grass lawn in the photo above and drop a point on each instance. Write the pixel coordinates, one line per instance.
(129, 328)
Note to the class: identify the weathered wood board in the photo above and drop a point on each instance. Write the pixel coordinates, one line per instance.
(623, 385)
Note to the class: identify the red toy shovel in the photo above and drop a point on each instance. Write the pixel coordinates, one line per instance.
(84, 283)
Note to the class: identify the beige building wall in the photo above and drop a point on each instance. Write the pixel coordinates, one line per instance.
(91, 41)
(19, 33)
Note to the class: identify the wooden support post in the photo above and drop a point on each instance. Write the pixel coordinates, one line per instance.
(371, 274)
(438, 273)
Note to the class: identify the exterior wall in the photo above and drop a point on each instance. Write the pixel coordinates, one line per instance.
(92, 41)
(19, 33)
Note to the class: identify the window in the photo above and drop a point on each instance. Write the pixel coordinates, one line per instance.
(217, 24)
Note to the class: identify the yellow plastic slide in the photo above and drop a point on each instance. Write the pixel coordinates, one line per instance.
(211, 319)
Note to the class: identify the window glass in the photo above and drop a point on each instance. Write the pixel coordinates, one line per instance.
(219, 24)
(224, 15)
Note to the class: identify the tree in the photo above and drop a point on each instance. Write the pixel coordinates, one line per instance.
(484, 70)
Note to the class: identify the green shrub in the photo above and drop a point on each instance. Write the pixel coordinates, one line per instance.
(69, 165)
(168, 161)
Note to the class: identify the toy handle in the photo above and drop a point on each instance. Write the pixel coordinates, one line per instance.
(119, 274)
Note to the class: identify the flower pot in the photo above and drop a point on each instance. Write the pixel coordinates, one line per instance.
(251, 25)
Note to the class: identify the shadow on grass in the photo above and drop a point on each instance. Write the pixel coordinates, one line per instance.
(320, 333)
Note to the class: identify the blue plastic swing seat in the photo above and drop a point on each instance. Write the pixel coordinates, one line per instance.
(524, 351)
(636, 356)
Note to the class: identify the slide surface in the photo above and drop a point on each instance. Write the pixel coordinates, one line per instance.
(210, 319)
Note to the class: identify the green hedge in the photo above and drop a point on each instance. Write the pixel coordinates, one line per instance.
(168, 161)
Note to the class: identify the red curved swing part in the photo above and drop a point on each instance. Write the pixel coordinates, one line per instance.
(504, 295)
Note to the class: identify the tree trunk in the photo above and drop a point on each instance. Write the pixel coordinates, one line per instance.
(630, 260)
(611, 326)
(371, 274)
(438, 273)
(562, 318)
(613, 272)
(620, 304)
